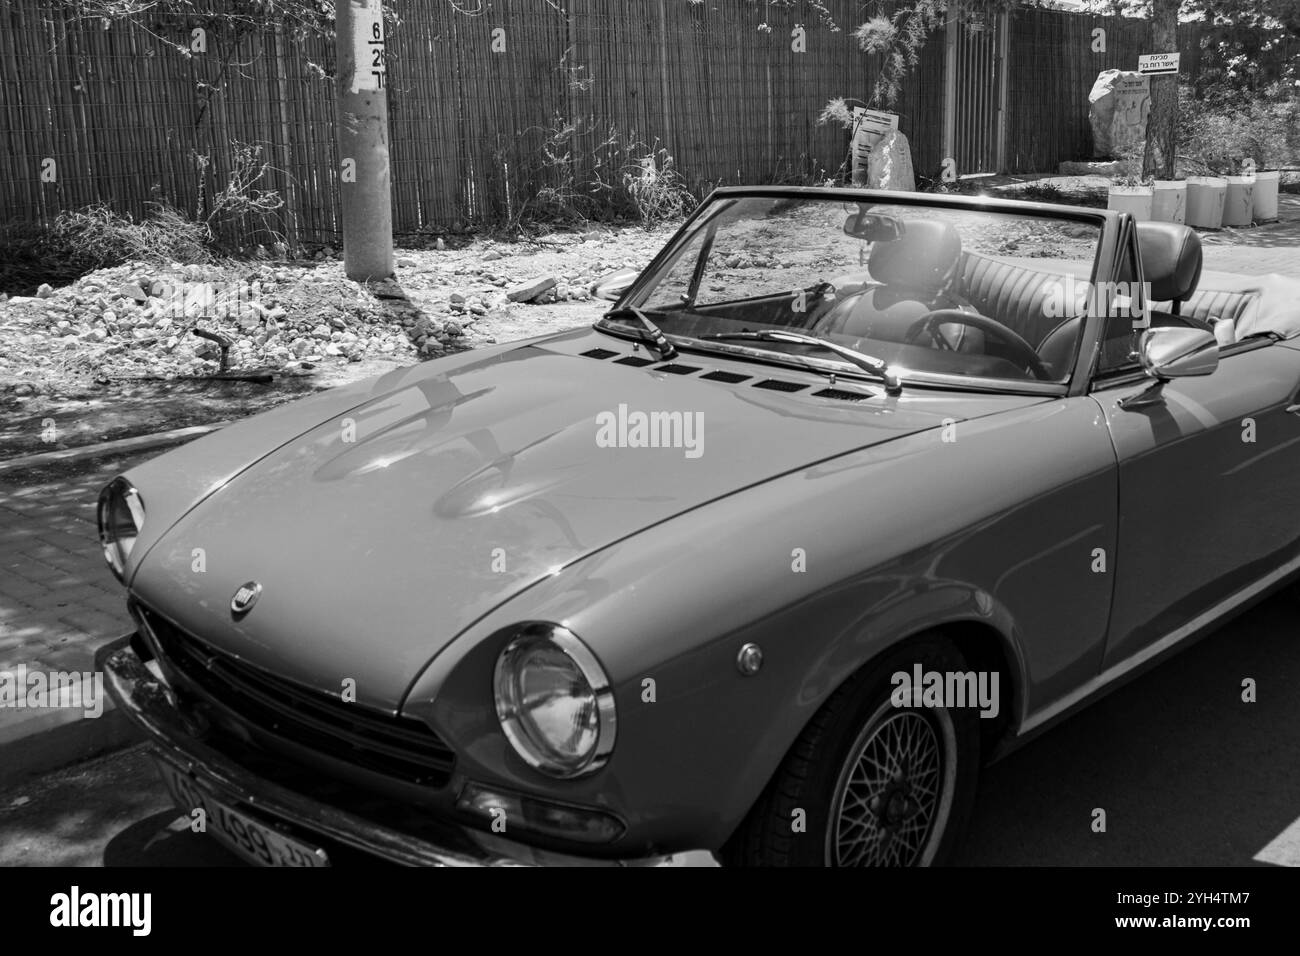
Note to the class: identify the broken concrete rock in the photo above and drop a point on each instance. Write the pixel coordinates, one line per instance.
(532, 291)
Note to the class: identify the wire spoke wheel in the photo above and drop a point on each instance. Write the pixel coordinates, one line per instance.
(895, 790)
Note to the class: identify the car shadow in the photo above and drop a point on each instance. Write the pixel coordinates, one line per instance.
(164, 839)
(1184, 770)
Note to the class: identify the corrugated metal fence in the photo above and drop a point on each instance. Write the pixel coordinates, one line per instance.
(92, 111)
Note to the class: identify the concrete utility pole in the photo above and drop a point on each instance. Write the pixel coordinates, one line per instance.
(362, 122)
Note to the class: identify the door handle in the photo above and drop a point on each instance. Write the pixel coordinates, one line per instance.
(1293, 409)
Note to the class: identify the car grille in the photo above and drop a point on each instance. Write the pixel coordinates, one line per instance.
(398, 747)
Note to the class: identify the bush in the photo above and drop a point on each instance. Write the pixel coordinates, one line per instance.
(242, 209)
(99, 236)
(80, 241)
(658, 190)
(583, 174)
(1218, 137)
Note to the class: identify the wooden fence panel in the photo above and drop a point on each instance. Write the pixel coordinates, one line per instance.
(128, 117)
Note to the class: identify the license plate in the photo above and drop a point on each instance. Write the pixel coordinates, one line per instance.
(247, 837)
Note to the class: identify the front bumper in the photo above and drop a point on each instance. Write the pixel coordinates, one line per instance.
(151, 706)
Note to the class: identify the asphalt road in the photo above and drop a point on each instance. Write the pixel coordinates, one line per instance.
(1186, 773)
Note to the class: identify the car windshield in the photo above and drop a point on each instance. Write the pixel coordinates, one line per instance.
(930, 290)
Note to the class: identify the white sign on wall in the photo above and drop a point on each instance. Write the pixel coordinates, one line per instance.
(873, 124)
(1156, 64)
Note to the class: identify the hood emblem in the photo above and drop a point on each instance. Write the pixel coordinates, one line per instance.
(245, 598)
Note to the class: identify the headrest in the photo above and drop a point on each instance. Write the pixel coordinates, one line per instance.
(1171, 259)
(922, 258)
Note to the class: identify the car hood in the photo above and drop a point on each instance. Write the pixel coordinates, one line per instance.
(380, 534)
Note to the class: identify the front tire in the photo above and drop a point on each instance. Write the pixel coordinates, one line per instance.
(868, 783)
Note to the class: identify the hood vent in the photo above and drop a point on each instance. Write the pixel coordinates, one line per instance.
(843, 395)
(776, 385)
(731, 378)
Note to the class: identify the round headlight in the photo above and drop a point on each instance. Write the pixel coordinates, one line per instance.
(121, 516)
(554, 702)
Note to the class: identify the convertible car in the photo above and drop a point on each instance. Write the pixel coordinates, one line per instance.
(846, 495)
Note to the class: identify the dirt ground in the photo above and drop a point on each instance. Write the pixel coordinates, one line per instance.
(60, 388)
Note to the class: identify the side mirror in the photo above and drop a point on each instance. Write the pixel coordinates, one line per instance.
(1167, 353)
(611, 287)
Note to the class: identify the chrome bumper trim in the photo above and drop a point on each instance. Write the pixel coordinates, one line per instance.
(151, 706)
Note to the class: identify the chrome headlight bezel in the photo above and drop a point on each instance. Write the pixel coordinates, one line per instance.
(524, 735)
(120, 506)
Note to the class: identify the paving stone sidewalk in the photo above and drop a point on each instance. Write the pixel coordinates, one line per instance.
(59, 604)
(1260, 249)
(58, 600)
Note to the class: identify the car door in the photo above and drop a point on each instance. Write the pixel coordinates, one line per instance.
(1207, 480)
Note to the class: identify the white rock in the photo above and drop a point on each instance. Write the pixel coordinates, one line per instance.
(889, 164)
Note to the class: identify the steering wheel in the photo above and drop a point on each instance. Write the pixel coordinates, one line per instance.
(1023, 355)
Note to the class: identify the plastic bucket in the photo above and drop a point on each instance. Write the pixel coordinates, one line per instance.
(1169, 201)
(1205, 198)
(1136, 200)
(1239, 205)
(1265, 195)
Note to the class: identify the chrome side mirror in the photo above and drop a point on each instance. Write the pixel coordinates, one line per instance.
(1167, 353)
(611, 287)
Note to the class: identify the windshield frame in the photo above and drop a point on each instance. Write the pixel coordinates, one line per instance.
(1106, 221)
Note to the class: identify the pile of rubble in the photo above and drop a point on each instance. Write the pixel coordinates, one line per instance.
(138, 320)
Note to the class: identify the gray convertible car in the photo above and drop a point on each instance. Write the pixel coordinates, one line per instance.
(847, 494)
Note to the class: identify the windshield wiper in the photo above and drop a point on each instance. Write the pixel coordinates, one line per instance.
(653, 334)
(868, 363)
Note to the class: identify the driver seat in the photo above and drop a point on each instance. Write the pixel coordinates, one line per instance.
(913, 274)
